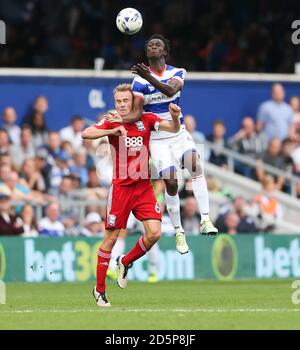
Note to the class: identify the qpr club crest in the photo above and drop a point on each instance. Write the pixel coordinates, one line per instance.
(111, 220)
(140, 125)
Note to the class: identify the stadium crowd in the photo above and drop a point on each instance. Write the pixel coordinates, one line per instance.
(57, 170)
(222, 35)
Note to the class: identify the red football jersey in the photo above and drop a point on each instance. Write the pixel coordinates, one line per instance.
(130, 154)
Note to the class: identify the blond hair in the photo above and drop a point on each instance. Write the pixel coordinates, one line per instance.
(122, 87)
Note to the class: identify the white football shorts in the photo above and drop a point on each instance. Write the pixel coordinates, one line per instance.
(168, 153)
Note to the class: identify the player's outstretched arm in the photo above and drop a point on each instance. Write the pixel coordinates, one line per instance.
(174, 124)
(93, 132)
(169, 89)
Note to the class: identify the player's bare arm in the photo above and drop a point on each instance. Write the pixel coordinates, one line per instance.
(174, 124)
(93, 133)
(169, 89)
(134, 115)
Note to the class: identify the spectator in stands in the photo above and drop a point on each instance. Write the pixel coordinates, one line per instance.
(190, 217)
(40, 105)
(5, 159)
(72, 133)
(67, 147)
(39, 129)
(79, 166)
(19, 192)
(275, 117)
(191, 127)
(52, 146)
(90, 147)
(94, 188)
(199, 138)
(50, 225)
(93, 179)
(231, 222)
(287, 148)
(273, 157)
(76, 183)
(10, 225)
(5, 171)
(246, 141)
(31, 176)
(294, 102)
(59, 170)
(43, 166)
(4, 142)
(28, 219)
(218, 138)
(9, 118)
(266, 207)
(93, 226)
(295, 155)
(239, 206)
(69, 212)
(19, 153)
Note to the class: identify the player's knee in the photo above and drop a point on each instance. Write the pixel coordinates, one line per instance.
(154, 236)
(110, 241)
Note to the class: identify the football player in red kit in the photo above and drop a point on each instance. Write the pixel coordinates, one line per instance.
(131, 188)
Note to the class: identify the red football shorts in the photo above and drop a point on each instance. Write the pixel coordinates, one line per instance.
(138, 197)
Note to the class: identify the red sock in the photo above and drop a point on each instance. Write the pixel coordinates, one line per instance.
(136, 252)
(102, 266)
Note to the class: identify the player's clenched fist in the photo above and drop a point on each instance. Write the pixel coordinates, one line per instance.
(174, 110)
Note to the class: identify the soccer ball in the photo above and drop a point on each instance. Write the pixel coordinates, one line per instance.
(129, 21)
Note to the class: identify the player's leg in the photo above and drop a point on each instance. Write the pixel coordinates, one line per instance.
(117, 213)
(146, 209)
(163, 162)
(119, 249)
(143, 245)
(191, 161)
(173, 207)
(104, 256)
(153, 260)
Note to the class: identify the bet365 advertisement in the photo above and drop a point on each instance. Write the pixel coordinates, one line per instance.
(223, 257)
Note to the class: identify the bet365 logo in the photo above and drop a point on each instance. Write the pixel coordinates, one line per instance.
(296, 294)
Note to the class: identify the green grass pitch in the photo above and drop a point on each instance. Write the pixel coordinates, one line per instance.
(194, 305)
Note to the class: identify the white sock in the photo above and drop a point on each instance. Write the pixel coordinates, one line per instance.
(173, 207)
(118, 249)
(153, 259)
(201, 194)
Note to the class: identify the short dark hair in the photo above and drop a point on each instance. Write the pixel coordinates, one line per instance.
(76, 117)
(218, 122)
(26, 127)
(163, 39)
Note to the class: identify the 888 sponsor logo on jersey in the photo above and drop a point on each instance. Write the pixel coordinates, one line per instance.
(135, 143)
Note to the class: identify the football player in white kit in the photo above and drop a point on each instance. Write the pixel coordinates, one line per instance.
(154, 89)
